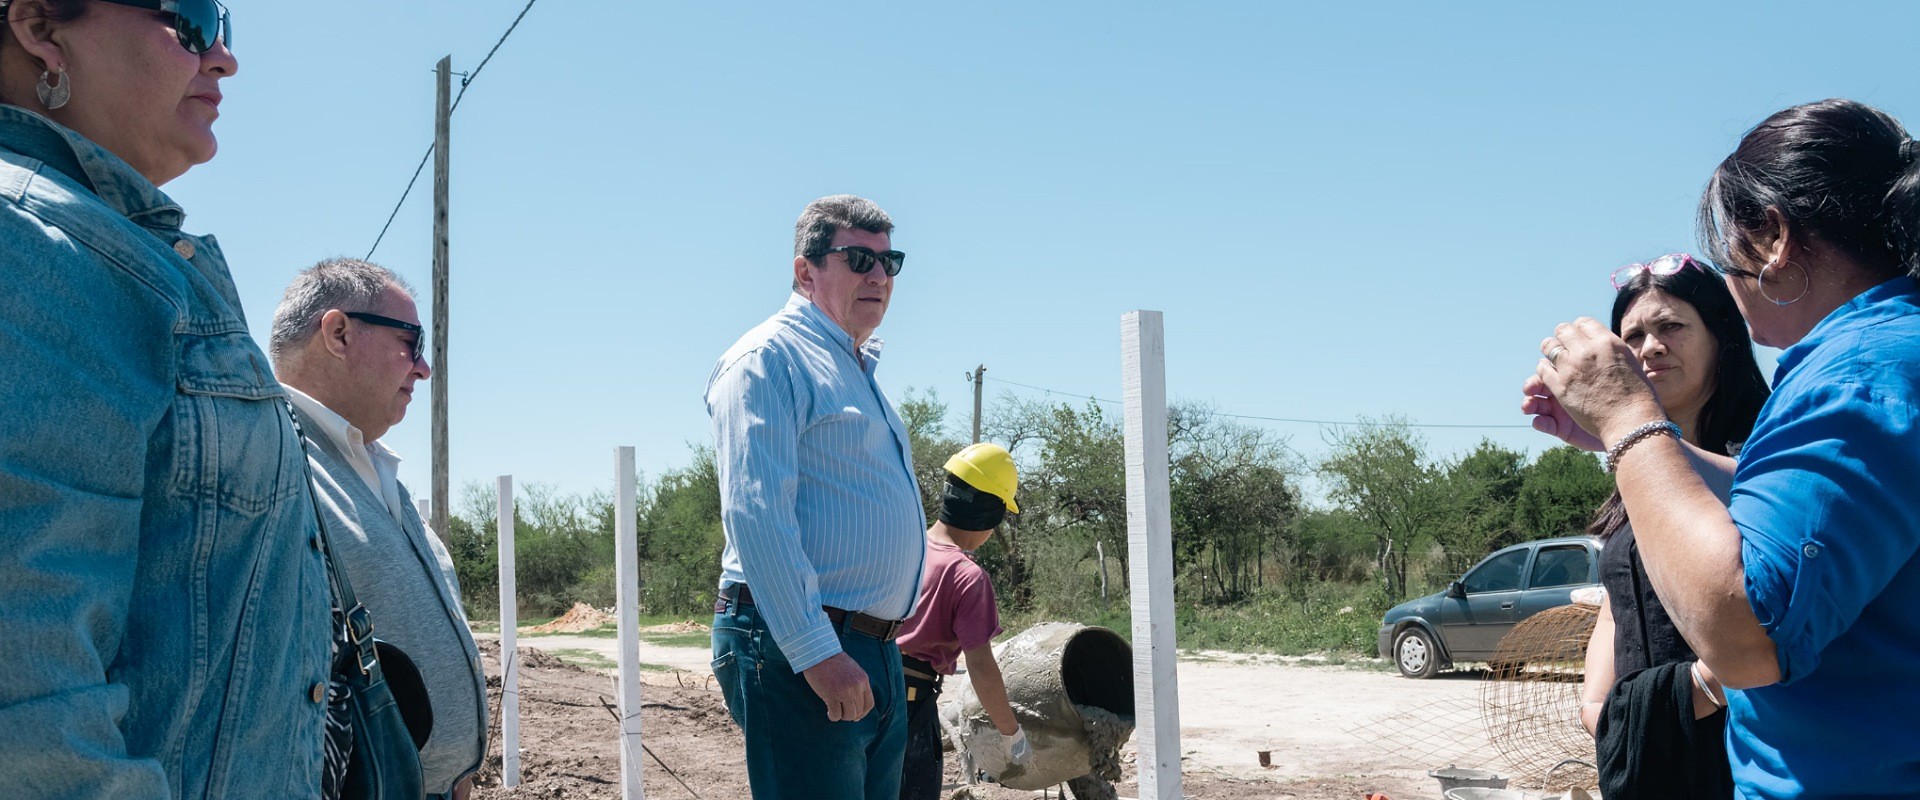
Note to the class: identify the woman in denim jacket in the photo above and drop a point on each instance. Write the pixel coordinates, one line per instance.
(163, 608)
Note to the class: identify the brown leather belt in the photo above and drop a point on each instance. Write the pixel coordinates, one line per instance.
(863, 624)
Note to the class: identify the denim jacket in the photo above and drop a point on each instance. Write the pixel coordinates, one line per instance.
(163, 605)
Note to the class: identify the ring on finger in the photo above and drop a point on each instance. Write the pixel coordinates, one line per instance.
(1553, 356)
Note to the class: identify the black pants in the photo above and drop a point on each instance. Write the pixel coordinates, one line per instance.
(923, 769)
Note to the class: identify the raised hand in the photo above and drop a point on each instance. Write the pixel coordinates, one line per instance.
(1549, 418)
(1590, 378)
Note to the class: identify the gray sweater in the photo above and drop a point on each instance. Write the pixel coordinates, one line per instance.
(405, 578)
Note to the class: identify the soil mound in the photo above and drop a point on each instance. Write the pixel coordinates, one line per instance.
(688, 626)
(581, 617)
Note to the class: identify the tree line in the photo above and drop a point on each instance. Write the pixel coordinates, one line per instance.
(1394, 518)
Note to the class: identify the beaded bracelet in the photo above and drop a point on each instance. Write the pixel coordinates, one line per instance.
(1636, 436)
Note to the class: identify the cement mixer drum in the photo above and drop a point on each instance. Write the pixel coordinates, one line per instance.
(1072, 690)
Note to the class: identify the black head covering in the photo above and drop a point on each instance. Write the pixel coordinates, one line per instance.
(966, 508)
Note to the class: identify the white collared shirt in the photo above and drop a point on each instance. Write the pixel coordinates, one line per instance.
(376, 464)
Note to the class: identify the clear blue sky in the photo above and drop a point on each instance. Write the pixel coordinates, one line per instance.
(1342, 209)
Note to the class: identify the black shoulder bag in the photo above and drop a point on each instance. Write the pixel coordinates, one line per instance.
(385, 762)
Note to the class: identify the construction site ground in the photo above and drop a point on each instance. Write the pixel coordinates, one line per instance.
(1330, 730)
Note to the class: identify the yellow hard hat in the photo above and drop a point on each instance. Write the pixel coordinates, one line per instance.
(988, 467)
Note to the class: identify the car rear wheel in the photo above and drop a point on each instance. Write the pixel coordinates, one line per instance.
(1414, 653)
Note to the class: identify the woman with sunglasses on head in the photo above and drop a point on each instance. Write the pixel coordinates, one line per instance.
(164, 615)
(1690, 342)
(1799, 595)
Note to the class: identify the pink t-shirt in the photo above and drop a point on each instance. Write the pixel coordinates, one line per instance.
(956, 612)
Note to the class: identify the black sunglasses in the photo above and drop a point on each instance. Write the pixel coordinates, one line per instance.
(194, 21)
(419, 333)
(861, 259)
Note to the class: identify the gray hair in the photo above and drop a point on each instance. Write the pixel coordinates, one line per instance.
(826, 216)
(348, 284)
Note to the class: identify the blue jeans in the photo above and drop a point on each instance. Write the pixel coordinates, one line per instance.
(793, 751)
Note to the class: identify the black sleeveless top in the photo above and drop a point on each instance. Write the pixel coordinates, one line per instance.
(1643, 635)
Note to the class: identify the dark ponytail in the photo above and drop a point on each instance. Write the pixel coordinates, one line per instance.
(1837, 169)
(1903, 211)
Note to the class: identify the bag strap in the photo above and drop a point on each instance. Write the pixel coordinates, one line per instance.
(359, 620)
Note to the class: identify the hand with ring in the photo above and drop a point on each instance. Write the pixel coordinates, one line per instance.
(1587, 385)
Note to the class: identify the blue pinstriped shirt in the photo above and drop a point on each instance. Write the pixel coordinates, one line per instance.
(817, 492)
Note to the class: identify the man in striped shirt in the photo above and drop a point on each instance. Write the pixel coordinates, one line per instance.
(823, 522)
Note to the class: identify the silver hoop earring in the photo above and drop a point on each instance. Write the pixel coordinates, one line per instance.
(56, 94)
(1777, 301)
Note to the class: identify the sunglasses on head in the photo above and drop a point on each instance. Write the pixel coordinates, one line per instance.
(1660, 267)
(862, 259)
(419, 333)
(198, 23)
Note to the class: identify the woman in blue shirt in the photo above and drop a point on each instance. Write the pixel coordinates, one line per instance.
(1801, 594)
(164, 615)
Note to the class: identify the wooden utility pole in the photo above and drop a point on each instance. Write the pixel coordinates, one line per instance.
(978, 378)
(442, 125)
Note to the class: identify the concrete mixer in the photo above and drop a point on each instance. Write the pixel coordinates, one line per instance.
(1071, 687)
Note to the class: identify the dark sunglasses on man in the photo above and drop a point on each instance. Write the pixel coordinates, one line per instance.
(862, 259)
(198, 23)
(419, 333)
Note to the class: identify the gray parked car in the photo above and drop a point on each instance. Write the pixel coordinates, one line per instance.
(1465, 622)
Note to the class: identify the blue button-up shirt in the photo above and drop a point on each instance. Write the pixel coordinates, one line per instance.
(163, 611)
(1827, 500)
(817, 491)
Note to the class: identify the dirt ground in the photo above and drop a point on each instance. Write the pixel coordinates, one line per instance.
(1330, 731)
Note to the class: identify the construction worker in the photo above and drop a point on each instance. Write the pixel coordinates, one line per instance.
(956, 616)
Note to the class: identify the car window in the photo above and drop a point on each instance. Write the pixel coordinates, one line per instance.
(1499, 574)
(1561, 565)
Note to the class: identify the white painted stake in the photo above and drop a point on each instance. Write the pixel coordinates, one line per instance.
(509, 647)
(1101, 548)
(425, 507)
(627, 574)
(1156, 684)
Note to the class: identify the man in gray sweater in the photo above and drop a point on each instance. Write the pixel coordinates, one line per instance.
(348, 347)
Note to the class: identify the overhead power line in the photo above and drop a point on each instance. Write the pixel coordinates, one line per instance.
(466, 79)
(1335, 423)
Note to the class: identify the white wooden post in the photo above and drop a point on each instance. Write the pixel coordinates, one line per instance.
(425, 508)
(627, 574)
(1101, 548)
(1156, 688)
(509, 647)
